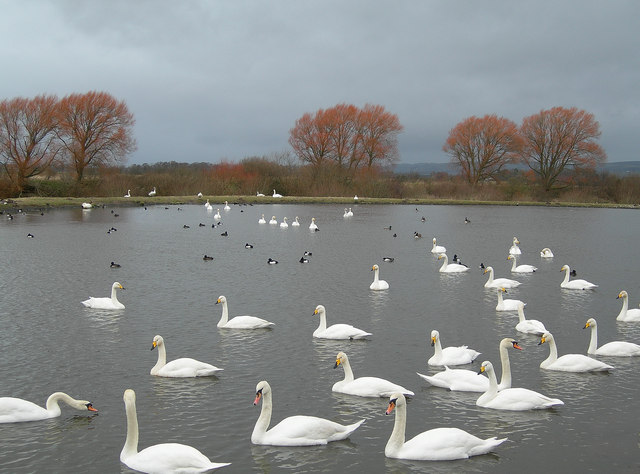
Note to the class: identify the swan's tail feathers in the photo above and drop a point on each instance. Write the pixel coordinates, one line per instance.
(218, 465)
(487, 446)
(361, 336)
(432, 380)
(554, 402)
(351, 428)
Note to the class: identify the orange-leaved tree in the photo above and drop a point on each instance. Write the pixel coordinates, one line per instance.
(95, 129)
(481, 147)
(28, 143)
(558, 138)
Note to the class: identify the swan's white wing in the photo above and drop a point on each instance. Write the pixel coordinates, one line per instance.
(445, 444)
(102, 303)
(187, 367)
(370, 387)
(303, 430)
(454, 356)
(248, 322)
(519, 399)
(341, 331)
(461, 380)
(13, 410)
(577, 363)
(619, 349)
(171, 457)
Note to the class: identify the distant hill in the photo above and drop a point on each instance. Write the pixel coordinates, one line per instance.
(426, 169)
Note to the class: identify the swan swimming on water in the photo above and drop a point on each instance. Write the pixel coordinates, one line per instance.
(529, 326)
(515, 268)
(184, 367)
(378, 284)
(297, 430)
(465, 380)
(15, 410)
(514, 399)
(499, 282)
(450, 355)
(506, 304)
(613, 348)
(625, 313)
(159, 458)
(363, 386)
(438, 444)
(438, 249)
(239, 322)
(546, 253)
(574, 284)
(106, 303)
(515, 250)
(336, 331)
(569, 362)
(451, 267)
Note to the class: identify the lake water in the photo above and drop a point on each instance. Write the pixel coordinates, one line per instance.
(49, 342)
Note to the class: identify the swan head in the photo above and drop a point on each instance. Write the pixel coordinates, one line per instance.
(509, 341)
(341, 358)
(591, 323)
(441, 256)
(502, 289)
(375, 267)
(565, 268)
(129, 396)
(510, 257)
(395, 400)
(515, 240)
(157, 341)
(488, 269)
(486, 367)
(221, 299)
(546, 337)
(117, 285)
(434, 337)
(622, 294)
(319, 309)
(262, 389)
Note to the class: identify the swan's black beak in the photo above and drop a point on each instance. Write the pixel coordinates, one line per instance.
(153, 346)
(335, 366)
(541, 341)
(433, 341)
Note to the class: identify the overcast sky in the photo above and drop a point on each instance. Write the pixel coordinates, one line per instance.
(224, 80)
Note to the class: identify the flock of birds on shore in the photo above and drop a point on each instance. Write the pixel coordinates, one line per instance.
(434, 444)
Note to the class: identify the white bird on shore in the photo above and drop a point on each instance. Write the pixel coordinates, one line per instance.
(276, 195)
(152, 192)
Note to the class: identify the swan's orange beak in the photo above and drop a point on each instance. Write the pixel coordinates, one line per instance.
(258, 397)
(336, 364)
(542, 341)
(433, 341)
(517, 346)
(153, 345)
(315, 311)
(482, 369)
(586, 325)
(619, 296)
(392, 405)
(90, 407)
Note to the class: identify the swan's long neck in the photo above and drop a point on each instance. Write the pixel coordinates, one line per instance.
(566, 275)
(445, 263)
(593, 343)
(521, 317)
(493, 383)
(52, 402)
(625, 307)
(396, 440)
(114, 296)
(553, 353)
(224, 319)
(513, 265)
(130, 447)
(323, 321)
(262, 424)
(162, 359)
(438, 347)
(500, 300)
(348, 373)
(505, 379)
(375, 275)
(490, 280)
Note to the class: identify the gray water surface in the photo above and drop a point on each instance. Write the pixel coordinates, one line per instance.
(49, 342)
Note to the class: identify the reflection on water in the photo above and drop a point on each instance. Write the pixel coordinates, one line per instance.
(51, 342)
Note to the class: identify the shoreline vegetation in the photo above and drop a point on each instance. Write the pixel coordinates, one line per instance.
(43, 203)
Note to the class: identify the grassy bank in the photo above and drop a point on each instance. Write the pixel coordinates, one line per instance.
(40, 203)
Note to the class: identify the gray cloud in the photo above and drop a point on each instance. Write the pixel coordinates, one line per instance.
(212, 80)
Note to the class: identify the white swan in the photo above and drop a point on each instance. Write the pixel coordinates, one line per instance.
(283, 224)
(208, 206)
(546, 253)
(437, 248)
(259, 194)
(297, 430)
(184, 367)
(625, 313)
(199, 195)
(226, 206)
(613, 348)
(159, 458)
(128, 195)
(276, 195)
(464, 380)
(152, 192)
(313, 225)
(514, 399)
(239, 322)
(350, 213)
(336, 331)
(499, 282)
(273, 220)
(14, 410)
(296, 222)
(106, 303)
(529, 326)
(438, 444)
(451, 267)
(515, 268)
(378, 284)
(450, 355)
(569, 362)
(574, 284)
(87, 205)
(262, 220)
(346, 213)
(515, 250)
(508, 304)
(364, 386)
(217, 215)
